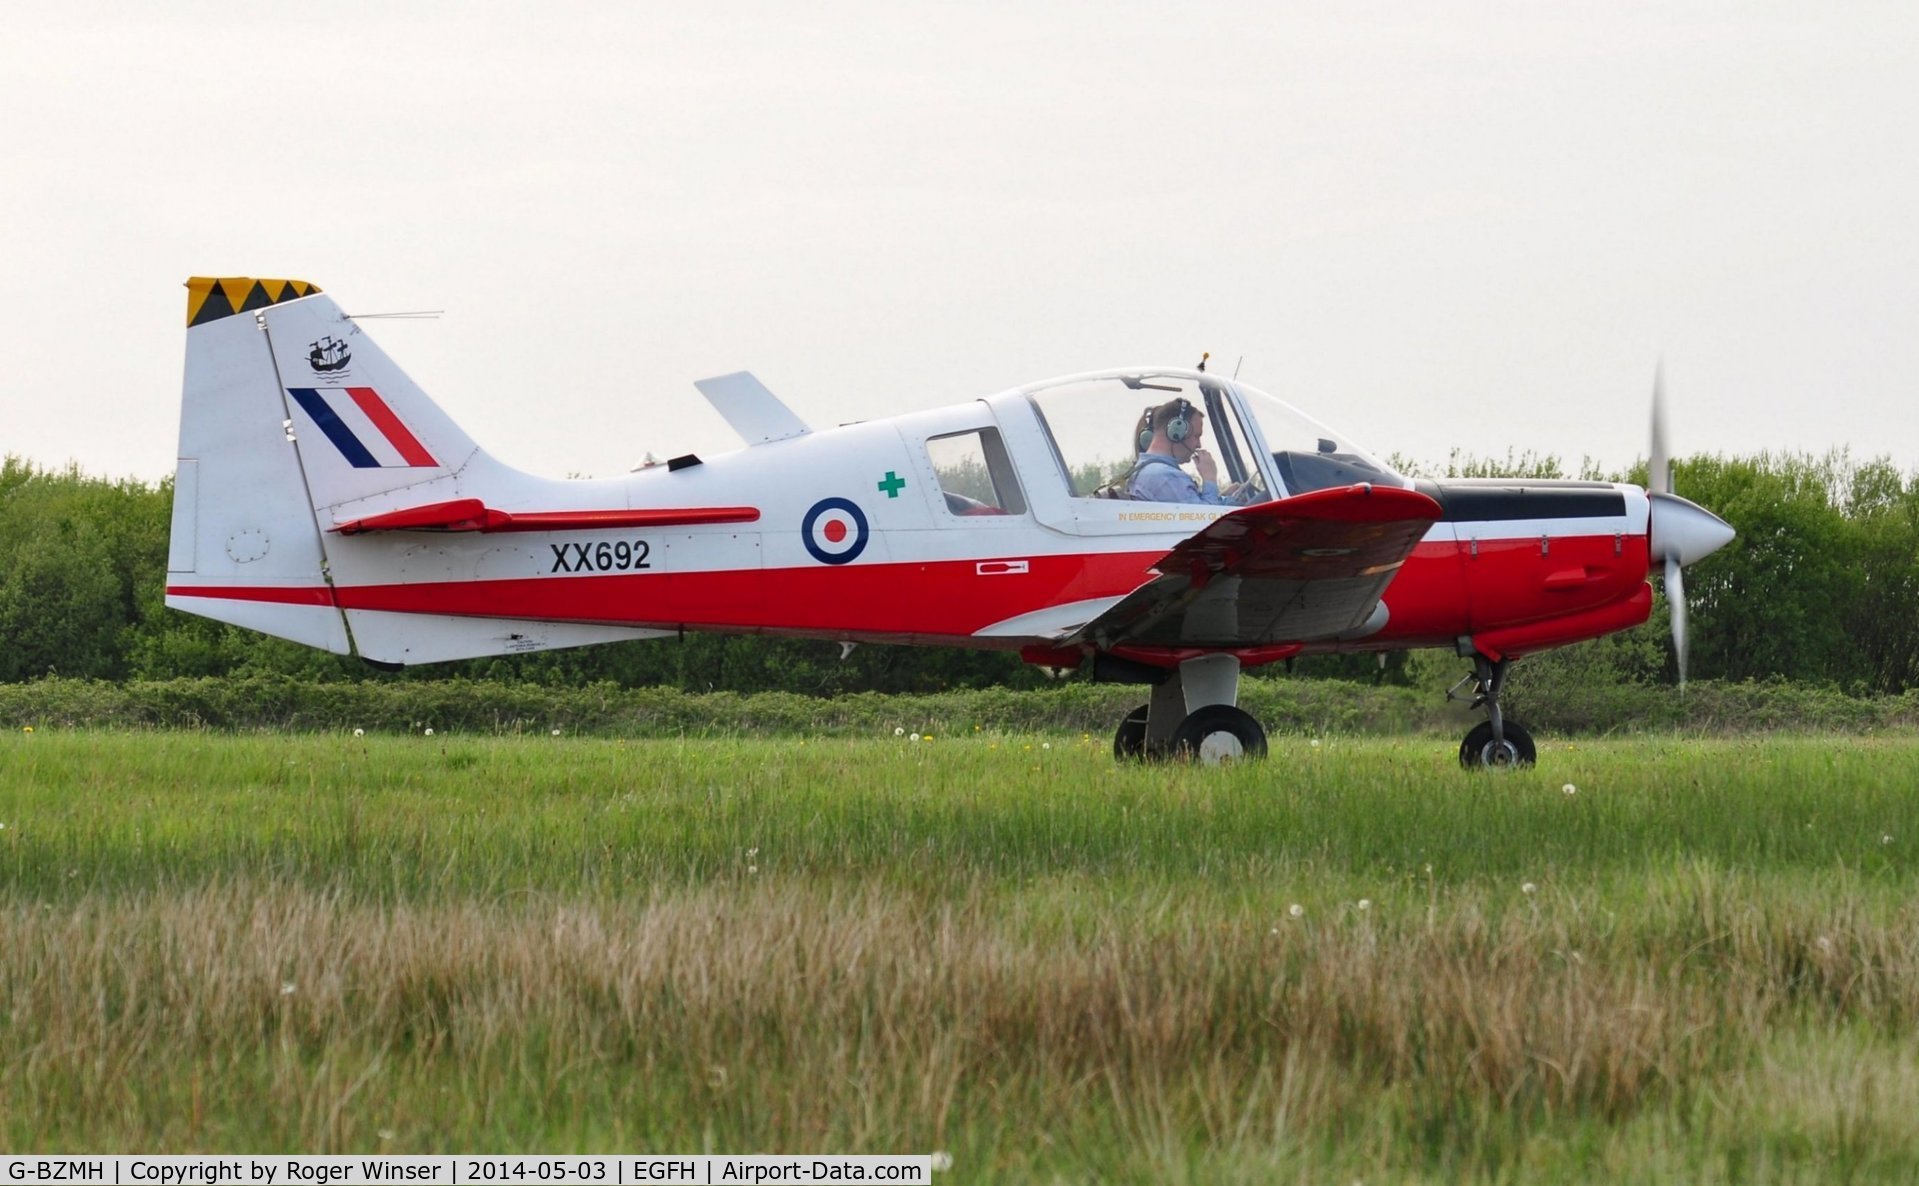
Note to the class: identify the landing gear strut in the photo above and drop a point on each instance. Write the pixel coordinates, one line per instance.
(1495, 742)
(1129, 744)
(1192, 717)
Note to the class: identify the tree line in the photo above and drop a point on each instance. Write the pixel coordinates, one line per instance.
(1821, 586)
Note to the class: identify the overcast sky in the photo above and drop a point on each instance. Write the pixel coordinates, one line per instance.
(1430, 225)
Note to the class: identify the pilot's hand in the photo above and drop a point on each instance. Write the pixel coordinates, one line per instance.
(1207, 467)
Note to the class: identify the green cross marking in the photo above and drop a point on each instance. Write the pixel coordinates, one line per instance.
(893, 484)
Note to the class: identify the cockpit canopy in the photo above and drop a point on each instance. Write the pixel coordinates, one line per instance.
(1264, 447)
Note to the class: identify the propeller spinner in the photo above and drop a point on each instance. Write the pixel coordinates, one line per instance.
(1682, 531)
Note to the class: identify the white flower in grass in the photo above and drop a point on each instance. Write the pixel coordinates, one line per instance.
(1046, 745)
(1315, 743)
(429, 733)
(942, 1161)
(899, 730)
(1570, 789)
(912, 737)
(359, 732)
(387, 1134)
(1886, 839)
(1824, 944)
(1529, 888)
(1365, 903)
(1296, 910)
(556, 732)
(288, 988)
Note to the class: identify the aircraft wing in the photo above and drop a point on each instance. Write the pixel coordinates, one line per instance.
(1308, 567)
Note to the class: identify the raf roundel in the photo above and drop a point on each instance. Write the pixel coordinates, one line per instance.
(834, 531)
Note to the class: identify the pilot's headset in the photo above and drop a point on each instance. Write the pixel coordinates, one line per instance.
(1181, 425)
(1177, 429)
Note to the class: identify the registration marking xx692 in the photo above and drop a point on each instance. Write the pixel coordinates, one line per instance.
(604, 556)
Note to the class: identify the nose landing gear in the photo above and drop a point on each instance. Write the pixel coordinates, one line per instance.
(1496, 742)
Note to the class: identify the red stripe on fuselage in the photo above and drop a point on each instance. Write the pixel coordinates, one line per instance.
(1441, 592)
(934, 598)
(276, 595)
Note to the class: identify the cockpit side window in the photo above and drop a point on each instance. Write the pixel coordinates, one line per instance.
(975, 474)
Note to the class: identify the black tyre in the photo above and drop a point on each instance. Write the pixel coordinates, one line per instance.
(1129, 744)
(1478, 752)
(1219, 733)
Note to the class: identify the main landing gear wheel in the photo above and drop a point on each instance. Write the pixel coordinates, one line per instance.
(1219, 733)
(1129, 744)
(1480, 752)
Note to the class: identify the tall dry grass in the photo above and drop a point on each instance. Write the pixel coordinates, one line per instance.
(784, 1014)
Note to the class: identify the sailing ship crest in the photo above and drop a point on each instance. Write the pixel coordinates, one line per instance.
(329, 355)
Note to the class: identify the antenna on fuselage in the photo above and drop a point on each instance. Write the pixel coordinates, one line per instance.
(1236, 366)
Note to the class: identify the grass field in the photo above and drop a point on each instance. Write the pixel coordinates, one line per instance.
(1700, 963)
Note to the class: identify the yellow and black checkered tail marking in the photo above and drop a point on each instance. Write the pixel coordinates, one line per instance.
(210, 298)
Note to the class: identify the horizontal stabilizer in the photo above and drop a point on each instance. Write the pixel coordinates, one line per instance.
(753, 411)
(470, 514)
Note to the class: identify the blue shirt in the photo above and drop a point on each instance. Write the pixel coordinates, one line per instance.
(1158, 478)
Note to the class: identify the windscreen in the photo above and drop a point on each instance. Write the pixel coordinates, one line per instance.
(1309, 455)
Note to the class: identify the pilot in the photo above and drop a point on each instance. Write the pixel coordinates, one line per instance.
(1177, 430)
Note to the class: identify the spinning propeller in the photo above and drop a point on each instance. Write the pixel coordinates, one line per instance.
(1682, 531)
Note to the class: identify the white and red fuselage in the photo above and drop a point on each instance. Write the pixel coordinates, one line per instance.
(323, 497)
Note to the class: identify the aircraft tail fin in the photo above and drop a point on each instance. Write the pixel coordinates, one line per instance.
(308, 459)
(361, 426)
(291, 417)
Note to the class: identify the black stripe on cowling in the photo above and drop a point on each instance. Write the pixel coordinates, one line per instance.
(1480, 503)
